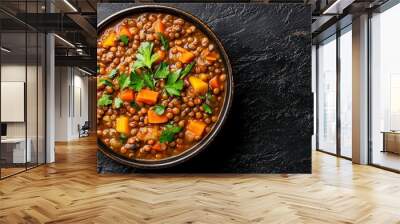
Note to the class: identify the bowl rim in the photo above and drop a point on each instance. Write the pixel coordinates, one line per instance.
(224, 112)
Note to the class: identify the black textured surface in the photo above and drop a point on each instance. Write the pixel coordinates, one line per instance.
(271, 122)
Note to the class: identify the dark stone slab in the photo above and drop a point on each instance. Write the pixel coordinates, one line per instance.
(271, 122)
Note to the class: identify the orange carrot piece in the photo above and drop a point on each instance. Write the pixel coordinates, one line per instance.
(109, 41)
(196, 127)
(158, 26)
(199, 86)
(123, 30)
(154, 118)
(214, 83)
(122, 124)
(156, 147)
(147, 96)
(185, 56)
(127, 95)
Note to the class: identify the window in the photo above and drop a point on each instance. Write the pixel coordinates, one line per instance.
(327, 95)
(385, 89)
(346, 92)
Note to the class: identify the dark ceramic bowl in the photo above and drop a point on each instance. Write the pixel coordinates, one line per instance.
(202, 144)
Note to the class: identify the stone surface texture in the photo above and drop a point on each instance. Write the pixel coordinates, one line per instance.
(270, 124)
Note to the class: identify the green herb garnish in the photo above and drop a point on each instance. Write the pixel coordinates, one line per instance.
(167, 135)
(104, 100)
(112, 73)
(124, 81)
(137, 82)
(186, 70)
(159, 109)
(124, 39)
(104, 82)
(174, 86)
(174, 76)
(148, 80)
(164, 41)
(145, 56)
(123, 138)
(162, 71)
(118, 102)
(207, 108)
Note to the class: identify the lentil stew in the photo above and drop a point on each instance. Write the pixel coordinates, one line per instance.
(161, 86)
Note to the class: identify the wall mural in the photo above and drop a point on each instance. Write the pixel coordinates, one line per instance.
(205, 87)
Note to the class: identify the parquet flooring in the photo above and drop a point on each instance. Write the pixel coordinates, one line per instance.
(70, 191)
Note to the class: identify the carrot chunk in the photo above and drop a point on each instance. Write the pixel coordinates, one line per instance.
(196, 127)
(214, 83)
(185, 56)
(122, 124)
(109, 41)
(123, 30)
(158, 26)
(199, 86)
(127, 95)
(154, 118)
(147, 96)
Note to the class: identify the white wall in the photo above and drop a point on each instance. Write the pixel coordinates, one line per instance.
(71, 102)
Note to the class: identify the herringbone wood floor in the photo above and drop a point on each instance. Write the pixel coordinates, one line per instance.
(70, 191)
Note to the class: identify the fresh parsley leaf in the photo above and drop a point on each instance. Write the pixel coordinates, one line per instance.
(118, 102)
(104, 82)
(137, 83)
(167, 135)
(173, 76)
(186, 70)
(159, 109)
(207, 108)
(124, 81)
(174, 86)
(174, 89)
(104, 100)
(124, 39)
(145, 56)
(112, 73)
(162, 71)
(164, 41)
(123, 138)
(148, 80)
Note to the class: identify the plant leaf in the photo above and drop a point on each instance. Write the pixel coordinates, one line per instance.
(105, 82)
(124, 39)
(124, 81)
(174, 89)
(162, 71)
(207, 108)
(104, 100)
(164, 41)
(173, 76)
(187, 70)
(113, 73)
(137, 83)
(167, 135)
(159, 109)
(148, 80)
(144, 57)
(118, 102)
